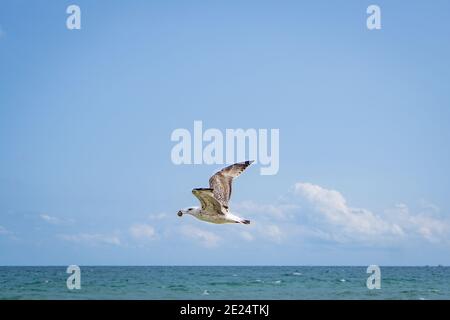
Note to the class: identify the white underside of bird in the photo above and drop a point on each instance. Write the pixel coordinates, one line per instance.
(214, 200)
(212, 217)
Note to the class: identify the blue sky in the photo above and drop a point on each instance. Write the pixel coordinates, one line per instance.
(86, 118)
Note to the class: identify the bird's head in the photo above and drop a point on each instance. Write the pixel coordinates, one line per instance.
(192, 211)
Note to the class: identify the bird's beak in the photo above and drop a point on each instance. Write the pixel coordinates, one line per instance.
(180, 213)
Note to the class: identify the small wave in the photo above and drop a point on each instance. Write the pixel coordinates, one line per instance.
(297, 273)
(205, 292)
(177, 287)
(342, 280)
(228, 283)
(277, 282)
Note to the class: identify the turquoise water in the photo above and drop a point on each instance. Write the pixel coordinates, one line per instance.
(224, 283)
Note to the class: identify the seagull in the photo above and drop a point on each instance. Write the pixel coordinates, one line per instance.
(214, 200)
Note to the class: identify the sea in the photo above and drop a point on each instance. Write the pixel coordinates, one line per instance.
(224, 282)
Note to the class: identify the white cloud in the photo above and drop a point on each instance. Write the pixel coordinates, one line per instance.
(429, 207)
(423, 224)
(7, 233)
(92, 239)
(247, 236)
(4, 231)
(205, 238)
(348, 221)
(279, 211)
(341, 222)
(310, 212)
(274, 233)
(54, 220)
(263, 225)
(157, 216)
(143, 231)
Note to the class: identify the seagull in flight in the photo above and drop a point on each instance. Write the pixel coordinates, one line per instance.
(214, 200)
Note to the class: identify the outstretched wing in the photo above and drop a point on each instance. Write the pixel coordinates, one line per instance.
(206, 197)
(222, 180)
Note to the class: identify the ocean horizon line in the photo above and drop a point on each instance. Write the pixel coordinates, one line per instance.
(209, 266)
